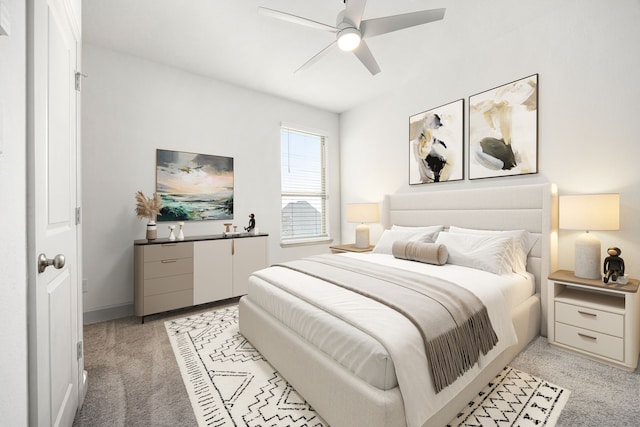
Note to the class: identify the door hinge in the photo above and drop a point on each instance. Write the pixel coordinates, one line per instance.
(80, 350)
(79, 76)
(78, 216)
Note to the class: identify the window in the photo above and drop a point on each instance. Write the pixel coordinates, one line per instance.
(304, 196)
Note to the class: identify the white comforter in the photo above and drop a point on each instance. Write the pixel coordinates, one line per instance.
(396, 333)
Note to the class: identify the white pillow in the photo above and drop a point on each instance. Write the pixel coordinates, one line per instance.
(483, 252)
(418, 229)
(385, 244)
(523, 241)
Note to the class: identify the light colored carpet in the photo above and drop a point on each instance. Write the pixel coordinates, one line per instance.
(230, 383)
(133, 379)
(601, 395)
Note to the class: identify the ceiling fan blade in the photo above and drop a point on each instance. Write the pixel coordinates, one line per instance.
(388, 24)
(366, 57)
(315, 58)
(296, 19)
(354, 11)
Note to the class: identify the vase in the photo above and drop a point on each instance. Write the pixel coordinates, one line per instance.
(152, 230)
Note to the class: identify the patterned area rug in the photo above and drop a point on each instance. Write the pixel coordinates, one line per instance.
(231, 384)
(514, 398)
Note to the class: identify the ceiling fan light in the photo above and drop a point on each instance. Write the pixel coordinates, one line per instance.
(349, 39)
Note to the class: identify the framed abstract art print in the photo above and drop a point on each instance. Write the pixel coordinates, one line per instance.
(436, 139)
(503, 130)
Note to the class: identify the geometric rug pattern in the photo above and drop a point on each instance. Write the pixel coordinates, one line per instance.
(514, 398)
(231, 384)
(228, 381)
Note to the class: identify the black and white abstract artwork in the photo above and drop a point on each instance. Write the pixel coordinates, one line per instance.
(503, 130)
(436, 140)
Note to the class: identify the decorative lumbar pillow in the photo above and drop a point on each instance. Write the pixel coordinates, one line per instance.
(385, 243)
(430, 253)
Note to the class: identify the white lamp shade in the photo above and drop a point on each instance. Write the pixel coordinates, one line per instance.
(363, 212)
(590, 212)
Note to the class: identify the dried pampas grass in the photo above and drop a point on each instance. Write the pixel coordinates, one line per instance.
(148, 207)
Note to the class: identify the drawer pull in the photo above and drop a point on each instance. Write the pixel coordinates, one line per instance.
(169, 244)
(588, 314)
(587, 336)
(167, 261)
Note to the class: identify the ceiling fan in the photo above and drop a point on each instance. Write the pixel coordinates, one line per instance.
(351, 30)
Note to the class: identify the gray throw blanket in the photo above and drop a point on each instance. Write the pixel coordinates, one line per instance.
(453, 322)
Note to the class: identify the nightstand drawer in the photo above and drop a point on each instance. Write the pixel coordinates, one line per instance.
(589, 318)
(590, 341)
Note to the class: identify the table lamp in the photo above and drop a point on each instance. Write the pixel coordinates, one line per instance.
(589, 212)
(362, 213)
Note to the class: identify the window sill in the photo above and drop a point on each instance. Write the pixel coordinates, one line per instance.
(306, 242)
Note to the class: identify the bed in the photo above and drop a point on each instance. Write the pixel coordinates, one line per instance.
(359, 377)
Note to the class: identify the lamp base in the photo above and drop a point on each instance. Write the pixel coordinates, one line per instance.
(587, 261)
(362, 236)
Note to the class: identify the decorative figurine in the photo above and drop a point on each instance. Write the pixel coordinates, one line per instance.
(613, 265)
(180, 232)
(171, 235)
(252, 223)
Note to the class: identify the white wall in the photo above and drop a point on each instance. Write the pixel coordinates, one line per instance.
(586, 55)
(130, 108)
(13, 273)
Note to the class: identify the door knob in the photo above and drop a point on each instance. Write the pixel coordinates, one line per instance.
(44, 262)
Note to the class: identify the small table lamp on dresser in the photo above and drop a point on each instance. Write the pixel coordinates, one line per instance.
(362, 213)
(589, 212)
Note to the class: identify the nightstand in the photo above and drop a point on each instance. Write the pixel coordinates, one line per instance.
(597, 320)
(336, 249)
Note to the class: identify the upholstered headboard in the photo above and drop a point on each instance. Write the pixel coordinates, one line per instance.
(530, 207)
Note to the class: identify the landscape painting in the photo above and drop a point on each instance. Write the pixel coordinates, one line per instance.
(194, 187)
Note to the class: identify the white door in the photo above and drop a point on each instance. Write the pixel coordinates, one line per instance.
(54, 302)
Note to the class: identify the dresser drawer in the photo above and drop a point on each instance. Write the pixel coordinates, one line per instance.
(163, 285)
(168, 251)
(590, 341)
(168, 267)
(164, 302)
(589, 318)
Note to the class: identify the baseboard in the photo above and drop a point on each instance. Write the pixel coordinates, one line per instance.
(107, 314)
